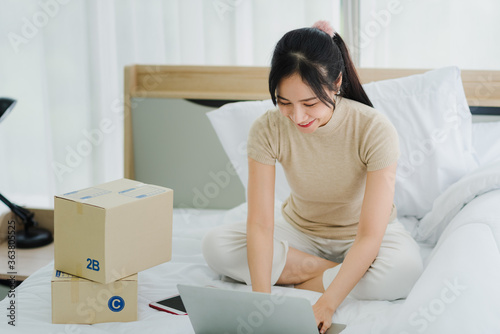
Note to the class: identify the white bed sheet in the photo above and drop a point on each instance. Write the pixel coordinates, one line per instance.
(33, 304)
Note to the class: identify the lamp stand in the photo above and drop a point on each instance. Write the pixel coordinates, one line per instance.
(32, 236)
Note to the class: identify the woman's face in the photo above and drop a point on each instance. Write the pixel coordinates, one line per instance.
(299, 104)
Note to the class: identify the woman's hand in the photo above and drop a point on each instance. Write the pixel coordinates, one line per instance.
(323, 312)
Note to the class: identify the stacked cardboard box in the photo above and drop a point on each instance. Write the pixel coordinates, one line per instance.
(105, 235)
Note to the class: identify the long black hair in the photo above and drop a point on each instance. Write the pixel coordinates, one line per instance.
(318, 59)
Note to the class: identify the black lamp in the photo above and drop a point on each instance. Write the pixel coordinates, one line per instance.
(32, 236)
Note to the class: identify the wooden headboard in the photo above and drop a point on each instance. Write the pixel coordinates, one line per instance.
(231, 83)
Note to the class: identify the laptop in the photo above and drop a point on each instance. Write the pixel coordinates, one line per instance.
(220, 311)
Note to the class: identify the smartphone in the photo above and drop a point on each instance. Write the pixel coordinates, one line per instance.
(172, 305)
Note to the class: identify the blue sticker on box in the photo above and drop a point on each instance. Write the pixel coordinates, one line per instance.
(87, 193)
(62, 275)
(142, 191)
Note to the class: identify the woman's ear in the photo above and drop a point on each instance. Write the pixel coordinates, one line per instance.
(338, 82)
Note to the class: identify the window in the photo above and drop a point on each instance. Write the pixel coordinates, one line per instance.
(429, 34)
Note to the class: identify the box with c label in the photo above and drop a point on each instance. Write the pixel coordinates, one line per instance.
(76, 300)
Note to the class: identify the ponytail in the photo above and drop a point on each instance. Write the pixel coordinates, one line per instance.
(351, 85)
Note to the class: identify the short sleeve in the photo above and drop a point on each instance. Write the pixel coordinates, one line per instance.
(380, 144)
(263, 140)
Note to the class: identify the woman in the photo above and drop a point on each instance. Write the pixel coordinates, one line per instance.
(339, 233)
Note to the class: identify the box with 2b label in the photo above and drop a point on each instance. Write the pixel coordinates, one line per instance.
(112, 230)
(79, 301)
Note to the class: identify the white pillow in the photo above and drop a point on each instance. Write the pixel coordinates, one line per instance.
(232, 122)
(417, 106)
(486, 141)
(433, 120)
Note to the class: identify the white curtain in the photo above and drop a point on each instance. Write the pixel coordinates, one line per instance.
(63, 61)
(430, 34)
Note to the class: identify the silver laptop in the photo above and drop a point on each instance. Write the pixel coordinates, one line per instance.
(220, 311)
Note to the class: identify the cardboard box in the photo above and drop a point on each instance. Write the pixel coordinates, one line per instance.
(79, 301)
(113, 230)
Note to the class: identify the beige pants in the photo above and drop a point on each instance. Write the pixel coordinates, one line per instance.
(391, 276)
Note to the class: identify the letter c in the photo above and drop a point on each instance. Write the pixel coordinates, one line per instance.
(116, 303)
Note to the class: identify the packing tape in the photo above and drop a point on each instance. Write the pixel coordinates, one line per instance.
(75, 289)
(75, 286)
(79, 208)
(118, 286)
(79, 269)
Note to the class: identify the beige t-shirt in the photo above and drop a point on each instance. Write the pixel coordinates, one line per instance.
(326, 169)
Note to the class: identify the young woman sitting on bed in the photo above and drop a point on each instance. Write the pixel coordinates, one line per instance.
(338, 233)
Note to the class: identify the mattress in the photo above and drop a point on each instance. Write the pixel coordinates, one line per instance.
(187, 266)
(457, 292)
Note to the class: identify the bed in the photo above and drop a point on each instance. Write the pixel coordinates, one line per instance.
(457, 223)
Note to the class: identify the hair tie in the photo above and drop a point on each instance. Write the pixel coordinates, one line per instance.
(324, 26)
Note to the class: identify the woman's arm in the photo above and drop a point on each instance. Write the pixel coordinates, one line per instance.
(375, 213)
(260, 224)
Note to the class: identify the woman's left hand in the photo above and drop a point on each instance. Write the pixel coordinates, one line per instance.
(323, 312)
